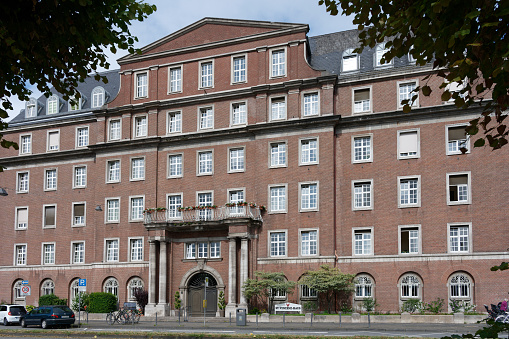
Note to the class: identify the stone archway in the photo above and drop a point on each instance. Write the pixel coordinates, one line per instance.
(198, 292)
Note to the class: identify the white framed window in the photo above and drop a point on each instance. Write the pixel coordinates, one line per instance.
(410, 286)
(140, 126)
(409, 144)
(210, 249)
(80, 177)
(215, 249)
(48, 253)
(31, 108)
(205, 163)
(308, 151)
(308, 242)
(203, 250)
(134, 285)
(278, 247)
(460, 240)
(277, 198)
(205, 199)
(236, 158)
(113, 171)
(350, 61)
(22, 182)
(362, 241)
(136, 249)
(364, 286)
(191, 250)
(141, 85)
(136, 206)
(78, 252)
(115, 129)
(238, 113)
(75, 104)
(362, 100)
(53, 141)
(205, 117)
(459, 188)
(206, 74)
(406, 92)
(278, 63)
(52, 105)
(409, 239)
(25, 142)
(98, 97)
(81, 137)
(307, 292)
(48, 287)
(111, 250)
(17, 290)
(111, 286)
(137, 169)
(461, 287)
(175, 79)
(175, 166)
(311, 104)
(78, 213)
(20, 254)
(277, 154)
(362, 194)
(49, 216)
(409, 191)
(50, 179)
(174, 203)
(277, 108)
(112, 210)
(21, 222)
(453, 87)
(379, 52)
(174, 122)
(362, 148)
(239, 68)
(308, 196)
(235, 196)
(456, 138)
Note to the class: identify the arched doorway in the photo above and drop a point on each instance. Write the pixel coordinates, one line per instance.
(196, 293)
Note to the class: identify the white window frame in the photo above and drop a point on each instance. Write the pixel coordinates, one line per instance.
(349, 53)
(234, 148)
(271, 63)
(363, 287)
(469, 188)
(367, 135)
(306, 94)
(198, 171)
(204, 214)
(57, 131)
(467, 143)
(132, 172)
(169, 125)
(25, 259)
(371, 195)
(31, 108)
(73, 248)
(170, 176)
(130, 241)
(77, 106)
(18, 191)
(43, 253)
(205, 109)
(108, 181)
(98, 93)
(271, 101)
(106, 210)
(137, 118)
(414, 156)
(465, 298)
(363, 88)
(73, 223)
(317, 150)
(78, 128)
(278, 165)
(309, 209)
(21, 144)
(200, 75)
(179, 82)
(406, 82)
(369, 230)
(408, 177)
(269, 247)
(470, 236)
(402, 228)
(235, 209)
(46, 170)
(106, 252)
(44, 216)
(285, 210)
(379, 52)
(50, 101)
(232, 114)
(131, 219)
(16, 215)
(137, 89)
(74, 176)
(419, 287)
(301, 242)
(233, 58)
(110, 121)
(178, 214)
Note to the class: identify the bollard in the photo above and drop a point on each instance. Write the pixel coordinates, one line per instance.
(180, 311)
(312, 314)
(230, 318)
(369, 321)
(339, 318)
(156, 318)
(87, 316)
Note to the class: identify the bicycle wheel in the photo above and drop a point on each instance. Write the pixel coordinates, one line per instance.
(137, 316)
(110, 318)
(123, 317)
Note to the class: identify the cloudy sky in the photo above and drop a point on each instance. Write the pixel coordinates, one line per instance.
(172, 15)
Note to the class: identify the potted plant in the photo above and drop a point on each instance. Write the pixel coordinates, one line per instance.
(178, 303)
(221, 303)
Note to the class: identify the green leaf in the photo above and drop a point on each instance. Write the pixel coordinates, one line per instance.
(426, 90)
(446, 96)
(479, 142)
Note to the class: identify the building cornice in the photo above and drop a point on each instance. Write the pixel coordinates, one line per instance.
(25, 160)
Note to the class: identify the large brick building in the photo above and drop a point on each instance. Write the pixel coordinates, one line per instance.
(227, 111)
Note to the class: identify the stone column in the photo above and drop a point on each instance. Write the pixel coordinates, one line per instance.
(152, 273)
(162, 272)
(232, 278)
(243, 268)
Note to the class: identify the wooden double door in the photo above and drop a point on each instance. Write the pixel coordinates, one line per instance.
(196, 295)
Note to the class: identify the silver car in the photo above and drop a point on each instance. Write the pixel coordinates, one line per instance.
(11, 313)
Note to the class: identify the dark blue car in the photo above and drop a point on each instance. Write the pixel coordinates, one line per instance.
(48, 316)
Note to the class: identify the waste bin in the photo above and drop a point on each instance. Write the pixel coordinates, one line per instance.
(241, 317)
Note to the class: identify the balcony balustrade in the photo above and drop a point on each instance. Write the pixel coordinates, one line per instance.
(203, 214)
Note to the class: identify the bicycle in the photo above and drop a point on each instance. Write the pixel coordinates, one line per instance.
(123, 317)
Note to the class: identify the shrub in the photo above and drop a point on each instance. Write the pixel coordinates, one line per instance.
(51, 299)
(85, 301)
(369, 304)
(141, 297)
(345, 307)
(411, 305)
(254, 310)
(178, 302)
(101, 302)
(221, 301)
(309, 306)
(435, 306)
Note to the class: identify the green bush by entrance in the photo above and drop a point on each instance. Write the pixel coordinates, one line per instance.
(101, 302)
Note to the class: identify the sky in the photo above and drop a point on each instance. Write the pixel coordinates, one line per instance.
(172, 15)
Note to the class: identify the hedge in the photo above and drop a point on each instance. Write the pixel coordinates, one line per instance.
(51, 299)
(101, 302)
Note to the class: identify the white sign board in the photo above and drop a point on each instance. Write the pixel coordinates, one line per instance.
(25, 290)
(288, 307)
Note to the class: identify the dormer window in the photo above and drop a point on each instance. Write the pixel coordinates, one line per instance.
(379, 53)
(74, 104)
(350, 60)
(52, 104)
(31, 108)
(98, 97)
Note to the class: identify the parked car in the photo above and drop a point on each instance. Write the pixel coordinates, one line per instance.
(11, 313)
(47, 316)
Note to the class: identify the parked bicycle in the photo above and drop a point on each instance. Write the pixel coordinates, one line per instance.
(124, 316)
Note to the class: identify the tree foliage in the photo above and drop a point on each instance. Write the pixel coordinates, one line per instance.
(56, 43)
(467, 42)
(264, 286)
(328, 282)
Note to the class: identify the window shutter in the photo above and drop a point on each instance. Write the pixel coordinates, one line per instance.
(49, 216)
(361, 94)
(22, 216)
(54, 140)
(79, 210)
(458, 179)
(408, 142)
(457, 133)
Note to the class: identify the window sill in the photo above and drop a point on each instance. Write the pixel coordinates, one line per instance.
(355, 209)
(456, 203)
(202, 259)
(362, 161)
